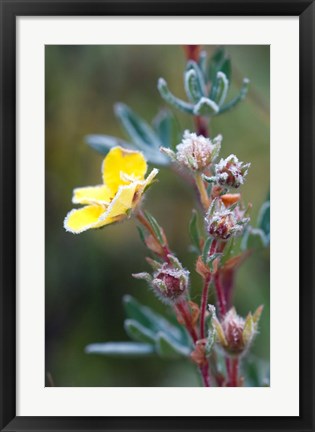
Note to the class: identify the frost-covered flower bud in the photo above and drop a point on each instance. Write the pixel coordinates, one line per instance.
(223, 223)
(234, 333)
(195, 152)
(169, 280)
(170, 283)
(230, 172)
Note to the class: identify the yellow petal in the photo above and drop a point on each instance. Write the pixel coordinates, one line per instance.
(122, 202)
(85, 218)
(143, 185)
(150, 178)
(92, 195)
(119, 160)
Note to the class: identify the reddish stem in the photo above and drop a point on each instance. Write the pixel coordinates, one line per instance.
(220, 295)
(234, 373)
(192, 52)
(204, 370)
(203, 306)
(181, 307)
(201, 126)
(204, 295)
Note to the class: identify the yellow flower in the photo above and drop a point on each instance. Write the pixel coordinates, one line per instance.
(123, 174)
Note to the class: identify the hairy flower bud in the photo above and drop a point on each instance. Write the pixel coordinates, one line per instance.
(234, 333)
(169, 280)
(170, 283)
(195, 152)
(223, 223)
(230, 172)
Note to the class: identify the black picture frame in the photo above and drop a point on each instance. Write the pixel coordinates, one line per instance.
(10, 10)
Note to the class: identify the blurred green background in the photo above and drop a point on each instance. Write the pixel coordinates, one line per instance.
(88, 274)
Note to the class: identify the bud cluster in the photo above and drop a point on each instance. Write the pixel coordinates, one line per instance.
(195, 152)
(169, 280)
(234, 333)
(224, 223)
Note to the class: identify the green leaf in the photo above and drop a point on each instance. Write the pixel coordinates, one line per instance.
(139, 131)
(155, 227)
(206, 249)
(194, 83)
(256, 371)
(212, 258)
(203, 64)
(135, 310)
(205, 107)
(215, 63)
(138, 332)
(141, 233)
(222, 87)
(237, 99)
(165, 125)
(254, 238)
(191, 86)
(120, 349)
(264, 219)
(168, 348)
(226, 68)
(150, 319)
(103, 143)
(172, 100)
(194, 231)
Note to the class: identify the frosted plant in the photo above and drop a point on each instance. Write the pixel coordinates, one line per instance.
(207, 336)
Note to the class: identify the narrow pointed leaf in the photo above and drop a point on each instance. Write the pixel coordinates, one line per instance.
(226, 68)
(206, 249)
(139, 131)
(155, 226)
(150, 319)
(249, 329)
(138, 332)
(194, 231)
(191, 86)
(165, 125)
(121, 349)
(168, 348)
(173, 100)
(228, 251)
(103, 143)
(241, 96)
(222, 86)
(203, 64)
(215, 63)
(257, 314)
(141, 233)
(199, 83)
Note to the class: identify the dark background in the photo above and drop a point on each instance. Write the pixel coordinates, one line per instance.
(88, 274)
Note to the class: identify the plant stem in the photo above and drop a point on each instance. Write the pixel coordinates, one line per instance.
(142, 219)
(203, 306)
(181, 307)
(192, 52)
(234, 372)
(220, 295)
(205, 201)
(201, 126)
(204, 370)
